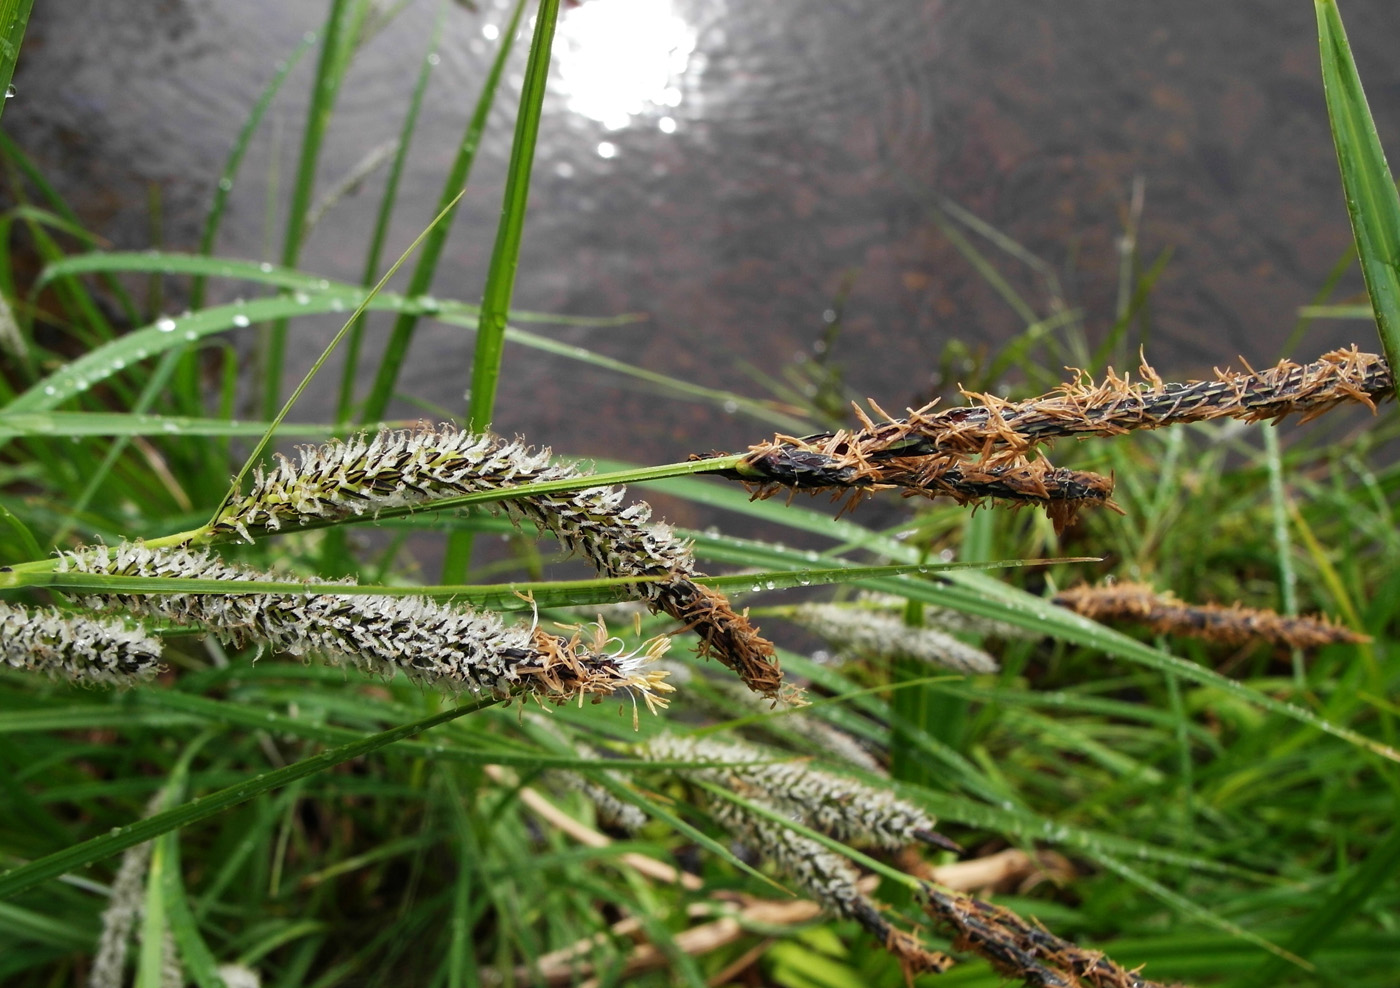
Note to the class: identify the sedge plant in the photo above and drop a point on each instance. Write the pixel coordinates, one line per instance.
(946, 767)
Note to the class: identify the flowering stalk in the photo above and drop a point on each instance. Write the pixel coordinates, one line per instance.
(932, 453)
(434, 644)
(828, 878)
(993, 426)
(834, 464)
(1139, 603)
(405, 468)
(862, 633)
(79, 648)
(848, 810)
(1018, 949)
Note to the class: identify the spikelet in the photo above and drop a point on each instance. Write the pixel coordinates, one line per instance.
(1018, 949)
(850, 811)
(406, 468)
(862, 633)
(992, 426)
(82, 649)
(438, 645)
(124, 906)
(830, 879)
(978, 452)
(1139, 603)
(839, 466)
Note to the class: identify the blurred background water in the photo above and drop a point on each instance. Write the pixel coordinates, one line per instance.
(740, 172)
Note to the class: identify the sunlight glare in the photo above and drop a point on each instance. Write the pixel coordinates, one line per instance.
(618, 58)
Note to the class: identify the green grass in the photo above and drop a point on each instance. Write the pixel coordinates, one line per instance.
(1226, 817)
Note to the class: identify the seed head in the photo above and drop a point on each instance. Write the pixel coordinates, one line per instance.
(79, 648)
(404, 468)
(862, 633)
(435, 644)
(848, 810)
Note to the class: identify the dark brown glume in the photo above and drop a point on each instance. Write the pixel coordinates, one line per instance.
(1019, 949)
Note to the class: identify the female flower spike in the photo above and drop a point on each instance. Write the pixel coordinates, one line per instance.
(404, 468)
(848, 810)
(434, 644)
(81, 649)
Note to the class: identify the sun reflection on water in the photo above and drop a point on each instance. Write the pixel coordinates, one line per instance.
(622, 59)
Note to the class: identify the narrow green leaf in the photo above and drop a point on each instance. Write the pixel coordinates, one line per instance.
(16, 880)
(382, 390)
(1372, 202)
(127, 424)
(385, 214)
(25, 537)
(1368, 876)
(330, 69)
(500, 279)
(14, 18)
(214, 218)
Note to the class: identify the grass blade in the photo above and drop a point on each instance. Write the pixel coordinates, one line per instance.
(214, 218)
(505, 256)
(81, 855)
(1319, 926)
(386, 211)
(500, 280)
(1371, 198)
(383, 387)
(330, 69)
(14, 18)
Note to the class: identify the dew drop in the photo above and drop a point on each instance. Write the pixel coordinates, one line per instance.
(165, 324)
(265, 267)
(434, 58)
(171, 426)
(49, 389)
(337, 305)
(241, 321)
(191, 335)
(226, 183)
(302, 298)
(730, 406)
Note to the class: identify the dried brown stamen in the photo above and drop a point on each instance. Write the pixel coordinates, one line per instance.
(1163, 613)
(977, 453)
(1116, 405)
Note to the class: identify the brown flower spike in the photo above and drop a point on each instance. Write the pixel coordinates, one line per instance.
(1019, 949)
(980, 452)
(1139, 603)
